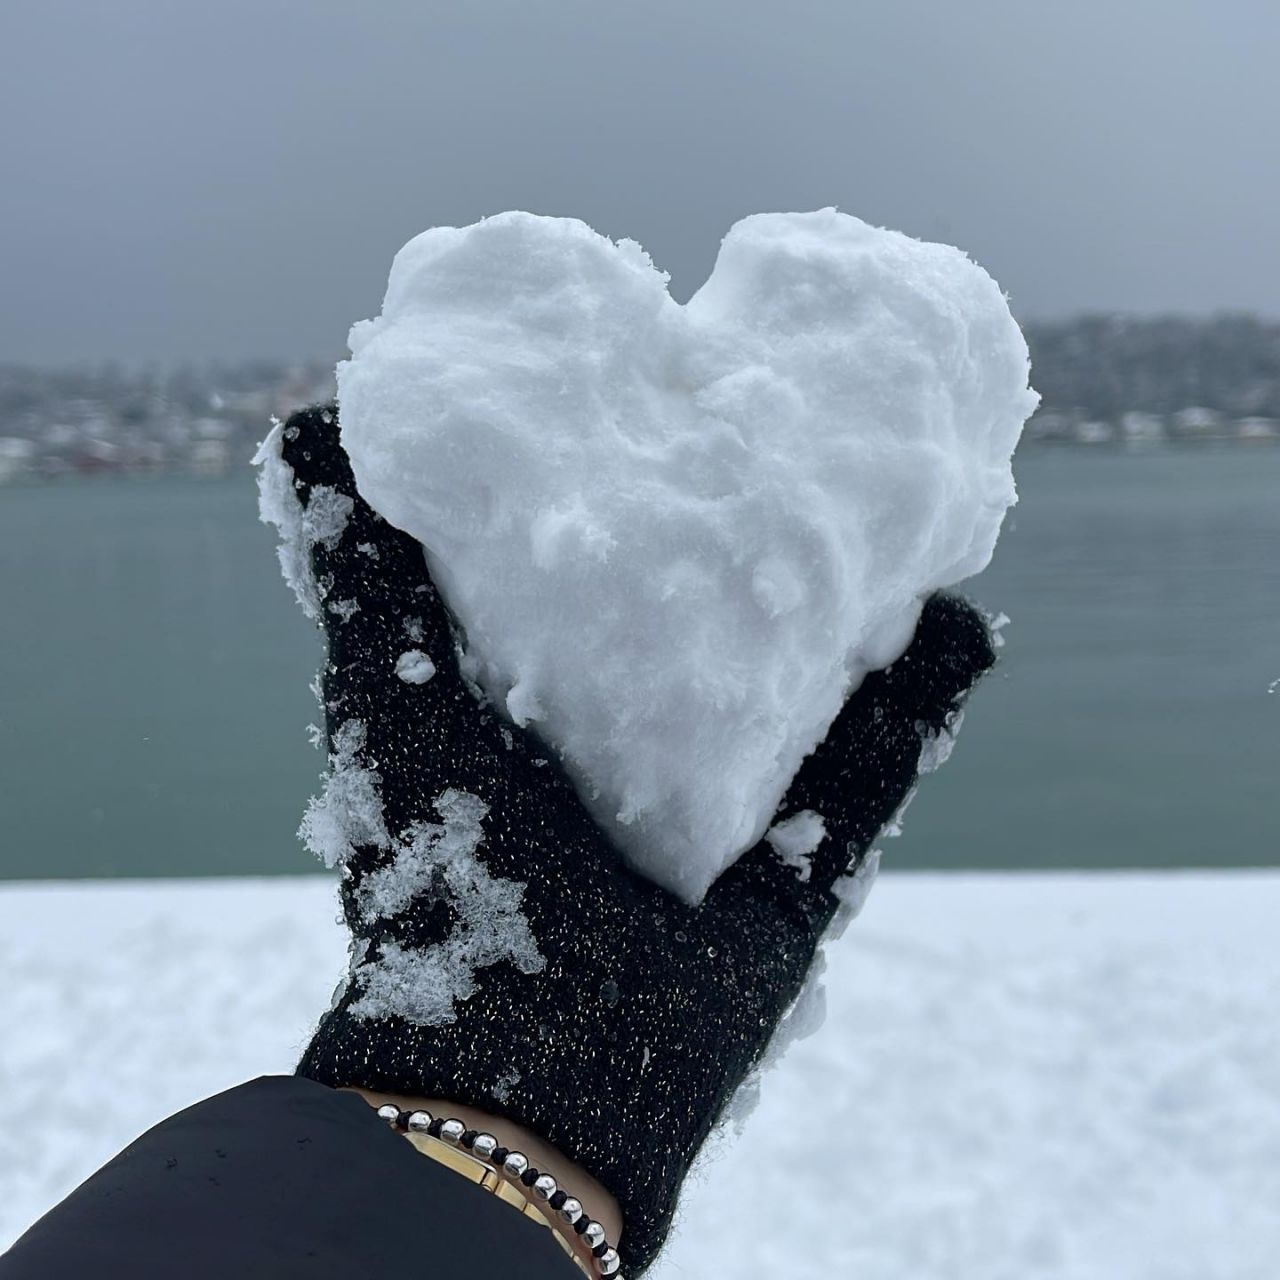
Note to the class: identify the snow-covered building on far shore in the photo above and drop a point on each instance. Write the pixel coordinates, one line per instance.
(1258, 429)
(1142, 428)
(1195, 423)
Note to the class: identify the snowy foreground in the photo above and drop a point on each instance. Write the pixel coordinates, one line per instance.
(1020, 1076)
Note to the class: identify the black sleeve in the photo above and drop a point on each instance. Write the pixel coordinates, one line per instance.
(275, 1179)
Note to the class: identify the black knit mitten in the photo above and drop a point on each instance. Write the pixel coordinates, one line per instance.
(503, 956)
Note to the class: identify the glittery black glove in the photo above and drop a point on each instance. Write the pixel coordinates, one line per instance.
(502, 954)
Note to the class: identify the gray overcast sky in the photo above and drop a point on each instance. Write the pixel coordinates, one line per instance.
(183, 180)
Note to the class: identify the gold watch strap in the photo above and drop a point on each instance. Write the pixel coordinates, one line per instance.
(488, 1179)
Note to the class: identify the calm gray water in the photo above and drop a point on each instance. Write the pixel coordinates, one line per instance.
(154, 672)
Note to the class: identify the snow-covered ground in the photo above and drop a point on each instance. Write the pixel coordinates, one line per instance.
(1074, 1077)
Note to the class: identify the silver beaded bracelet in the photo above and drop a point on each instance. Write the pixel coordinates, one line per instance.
(508, 1175)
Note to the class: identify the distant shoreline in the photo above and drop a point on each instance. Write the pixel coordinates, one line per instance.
(205, 465)
(1107, 381)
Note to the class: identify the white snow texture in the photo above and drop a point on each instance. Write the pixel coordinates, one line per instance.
(348, 811)
(677, 536)
(322, 521)
(423, 985)
(796, 839)
(1025, 1077)
(438, 860)
(414, 667)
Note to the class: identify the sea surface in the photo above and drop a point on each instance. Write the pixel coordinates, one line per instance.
(154, 675)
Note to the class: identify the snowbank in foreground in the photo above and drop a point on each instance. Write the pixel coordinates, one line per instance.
(677, 535)
(1028, 1078)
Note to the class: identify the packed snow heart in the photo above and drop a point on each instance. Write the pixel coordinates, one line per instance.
(677, 536)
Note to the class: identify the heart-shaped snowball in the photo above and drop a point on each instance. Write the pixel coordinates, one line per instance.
(678, 536)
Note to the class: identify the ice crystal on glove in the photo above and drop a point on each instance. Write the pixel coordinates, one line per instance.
(795, 839)
(320, 522)
(414, 667)
(677, 537)
(429, 861)
(423, 984)
(852, 891)
(936, 748)
(348, 811)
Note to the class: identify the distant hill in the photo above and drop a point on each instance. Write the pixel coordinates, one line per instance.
(1107, 366)
(1103, 379)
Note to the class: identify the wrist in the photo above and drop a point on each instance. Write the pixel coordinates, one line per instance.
(596, 1201)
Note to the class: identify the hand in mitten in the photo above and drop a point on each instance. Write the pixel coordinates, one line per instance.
(503, 955)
